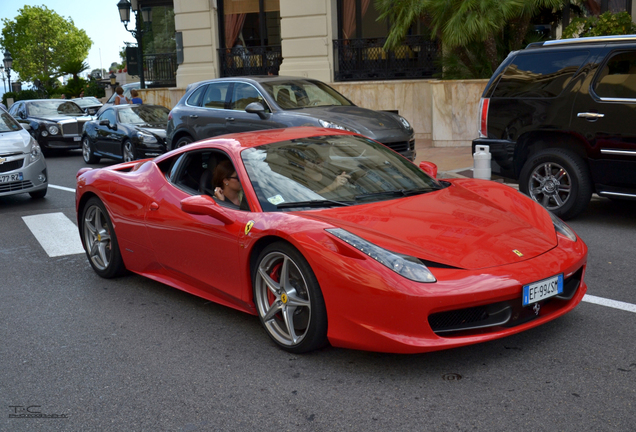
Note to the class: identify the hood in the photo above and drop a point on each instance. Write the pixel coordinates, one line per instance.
(60, 117)
(362, 120)
(15, 142)
(453, 226)
(158, 130)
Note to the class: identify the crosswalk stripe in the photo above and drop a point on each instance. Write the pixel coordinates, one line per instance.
(56, 233)
(61, 188)
(610, 303)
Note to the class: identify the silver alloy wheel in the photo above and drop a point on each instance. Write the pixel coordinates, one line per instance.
(97, 237)
(550, 185)
(86, 150)
(282, 299)
(129, 152)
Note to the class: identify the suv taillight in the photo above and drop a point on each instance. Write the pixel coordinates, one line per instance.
(483, 117)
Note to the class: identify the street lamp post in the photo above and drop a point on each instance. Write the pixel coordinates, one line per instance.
(144, 14)
(4, 80)
(8, 64)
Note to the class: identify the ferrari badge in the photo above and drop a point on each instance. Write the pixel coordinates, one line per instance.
(519, 254)
(248, 227)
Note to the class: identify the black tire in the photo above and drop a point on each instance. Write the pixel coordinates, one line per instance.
(128, 151)
(87, 151)
(301, 299)
(559, 180)
(100, 241)
(39, 194)
(184, 140)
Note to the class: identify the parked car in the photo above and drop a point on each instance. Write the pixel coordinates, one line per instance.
(22, 165)
(337, 238)
(558, 115)
(89, 104)
(126, 132)
(54, 123)
(240, 104)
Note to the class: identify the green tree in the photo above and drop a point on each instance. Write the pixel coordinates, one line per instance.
(41, 41)
(476, 34)
(607, 24)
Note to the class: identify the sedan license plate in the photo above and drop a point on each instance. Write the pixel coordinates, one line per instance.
(77, 138)
(541, 290)
(8, 178)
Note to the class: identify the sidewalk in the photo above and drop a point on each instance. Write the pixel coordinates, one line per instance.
(450, 161)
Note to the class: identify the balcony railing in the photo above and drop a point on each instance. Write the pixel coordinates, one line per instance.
(365, 59)
(160, 70)
(240, 61)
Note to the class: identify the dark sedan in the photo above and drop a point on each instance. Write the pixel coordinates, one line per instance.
(240, 104)
(54, 123)
(126, 132)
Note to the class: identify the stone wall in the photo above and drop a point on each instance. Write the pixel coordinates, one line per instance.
(443, 113)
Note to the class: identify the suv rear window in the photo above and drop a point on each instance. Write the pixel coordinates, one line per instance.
(539, 74)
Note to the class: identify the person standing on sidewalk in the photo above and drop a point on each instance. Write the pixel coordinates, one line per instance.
(120, 98)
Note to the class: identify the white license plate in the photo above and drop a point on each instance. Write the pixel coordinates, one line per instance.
(541, 290)
(8, 178)
(77, 138)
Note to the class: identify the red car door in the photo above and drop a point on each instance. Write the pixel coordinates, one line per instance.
(199, 250)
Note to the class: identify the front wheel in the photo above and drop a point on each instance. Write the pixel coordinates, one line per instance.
(288, 299)
(128, 150)
(100, 241)
(558, 180)
(87, 151)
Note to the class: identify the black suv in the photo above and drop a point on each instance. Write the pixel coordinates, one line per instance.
(558, 116)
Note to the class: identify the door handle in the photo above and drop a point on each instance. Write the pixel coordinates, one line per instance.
(154, 206)
(230, 119)
(194, 116)
(590, 115)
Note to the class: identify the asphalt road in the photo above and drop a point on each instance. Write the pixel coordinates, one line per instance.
(134, 355)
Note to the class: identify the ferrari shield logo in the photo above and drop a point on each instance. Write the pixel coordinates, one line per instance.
(519, 254)
(248, 227)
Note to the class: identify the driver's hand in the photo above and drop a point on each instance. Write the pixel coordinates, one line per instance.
(342, 179)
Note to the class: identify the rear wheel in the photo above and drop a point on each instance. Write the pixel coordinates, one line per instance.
(100, 241)
(558, 180)
(128, 151)
(288, 299)
(87, 151)
(184, 140)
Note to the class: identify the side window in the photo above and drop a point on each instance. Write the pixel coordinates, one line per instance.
(617, 79)
(215, 95)
(244, 94)
(196, 97)
(109, 115)
(539, 74)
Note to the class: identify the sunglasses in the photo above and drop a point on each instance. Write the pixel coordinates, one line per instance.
(235, 178)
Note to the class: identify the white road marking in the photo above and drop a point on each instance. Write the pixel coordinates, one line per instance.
(62, 188)
(56, 233)
(609, 303)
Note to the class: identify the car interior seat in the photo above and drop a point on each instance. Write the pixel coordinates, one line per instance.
(213, 98)
(283, 99)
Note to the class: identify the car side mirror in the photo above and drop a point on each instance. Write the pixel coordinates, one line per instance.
(429, 168)
(256, 108)
(104, 122)
(205, 205)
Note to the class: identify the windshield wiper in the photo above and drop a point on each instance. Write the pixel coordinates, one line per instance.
(314, 203)
(397, 192)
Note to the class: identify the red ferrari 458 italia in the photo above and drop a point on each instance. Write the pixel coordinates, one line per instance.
(330, 237)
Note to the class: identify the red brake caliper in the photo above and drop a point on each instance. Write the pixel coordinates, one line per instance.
(275, 275)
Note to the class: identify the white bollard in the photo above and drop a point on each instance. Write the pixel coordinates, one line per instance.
(481, 162)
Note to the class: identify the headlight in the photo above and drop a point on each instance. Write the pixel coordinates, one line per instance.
(146, 137)
(405, 122)
(36, 152)
(404, 265)
(53, 130)
(330, 125)
(561, 228)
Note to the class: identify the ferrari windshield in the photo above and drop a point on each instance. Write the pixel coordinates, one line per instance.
(294, 94)
(53, 108)
(327, 171)
(144, 114)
